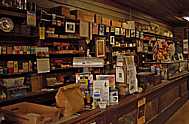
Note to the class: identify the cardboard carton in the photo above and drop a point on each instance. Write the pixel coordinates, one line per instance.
(30, 113)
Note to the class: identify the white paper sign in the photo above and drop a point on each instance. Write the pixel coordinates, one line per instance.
(101, 90)
(43, 65)
(120, 75)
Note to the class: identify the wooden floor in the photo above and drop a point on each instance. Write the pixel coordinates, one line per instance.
(181, 116)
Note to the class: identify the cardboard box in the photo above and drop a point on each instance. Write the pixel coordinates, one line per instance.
(106, 21)
(83, 15)
(116, 23)
(36, 83)
(61, 10)
(30, 113)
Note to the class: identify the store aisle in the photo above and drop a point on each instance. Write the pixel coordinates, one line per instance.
(181, 116)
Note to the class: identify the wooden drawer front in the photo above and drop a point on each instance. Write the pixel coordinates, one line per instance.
(183, 88)
(151, 109)
(169, 97)
(127, 118)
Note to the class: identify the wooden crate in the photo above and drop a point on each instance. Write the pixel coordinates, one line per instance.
(30, 113)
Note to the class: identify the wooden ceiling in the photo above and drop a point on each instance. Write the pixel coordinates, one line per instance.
(170, 11)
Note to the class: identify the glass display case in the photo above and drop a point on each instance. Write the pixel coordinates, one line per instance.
(168, 70)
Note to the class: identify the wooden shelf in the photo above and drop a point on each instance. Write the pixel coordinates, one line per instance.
(16, 74)
(97, 35)
(66, 36)
(157, 35)
(18, 88)
(8, 55)
(147, 52)
(123, 47)
(12, 12)
(65, 68)
(13, 35)
(68, 52)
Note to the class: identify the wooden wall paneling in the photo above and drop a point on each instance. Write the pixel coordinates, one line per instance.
(122, 113)
(83, 15)
(106, 21)
(183, 88)
(98, 19)
(152, 109)
(97, 120)
(116, 23)
(179, 33)
(167, 98)
(169, 101)
(127, 118)
(111, 116)
(163, 116)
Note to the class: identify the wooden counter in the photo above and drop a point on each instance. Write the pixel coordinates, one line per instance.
(161, 102)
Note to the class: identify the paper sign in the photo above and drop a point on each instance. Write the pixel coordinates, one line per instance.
(43, 65)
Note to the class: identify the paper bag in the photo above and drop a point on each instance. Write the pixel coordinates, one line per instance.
(69, 99)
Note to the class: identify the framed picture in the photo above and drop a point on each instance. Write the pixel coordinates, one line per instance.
(123, 31)
(70, 27)
(132, 33)
(112, 30)
(84, 29)
(101, 29)
(107, 29)
(112, 40)
(100, 48)
(117, 31)
(95, 28)
(128, 33)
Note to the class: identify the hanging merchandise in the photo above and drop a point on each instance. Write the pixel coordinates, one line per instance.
(163, 51)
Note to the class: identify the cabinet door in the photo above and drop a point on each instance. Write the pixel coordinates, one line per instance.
(127, 118)
(97, 120)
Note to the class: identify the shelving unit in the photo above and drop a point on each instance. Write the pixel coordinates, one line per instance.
(13, 12)
(17, 53)
(63, 46)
